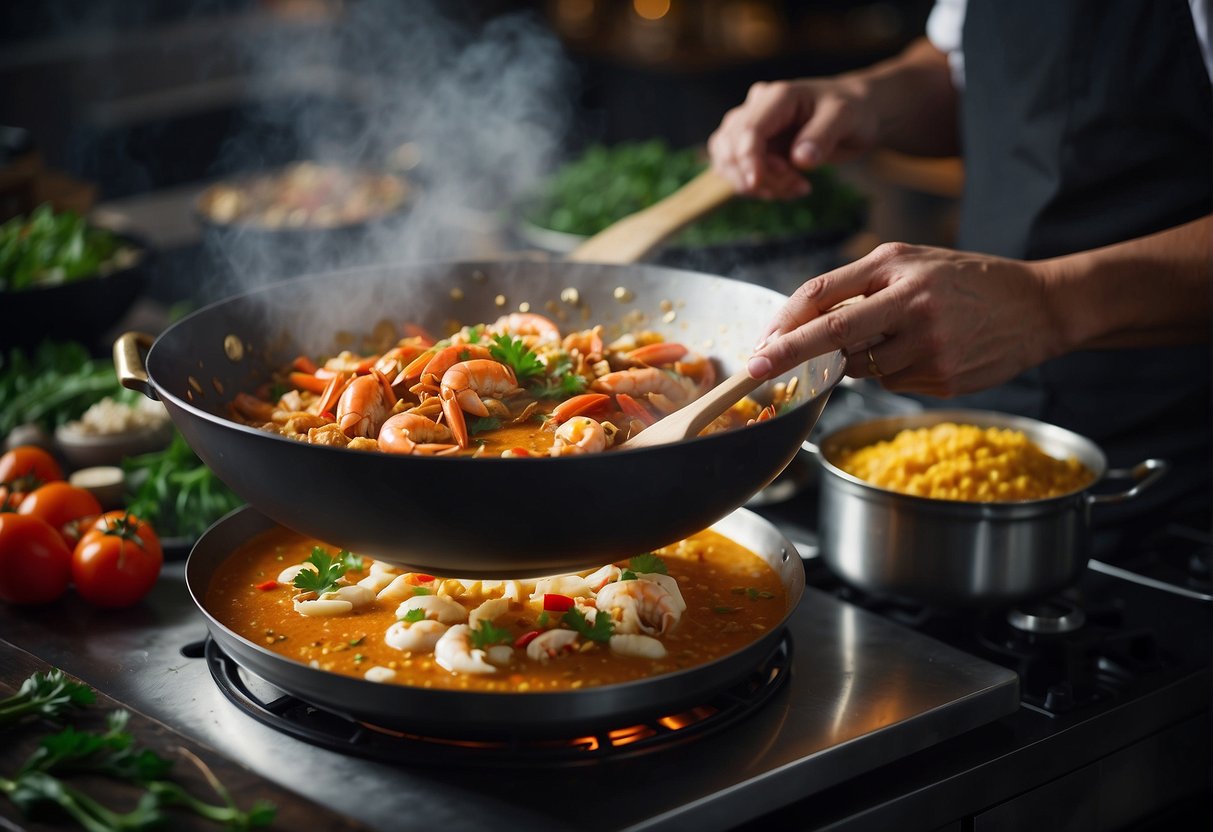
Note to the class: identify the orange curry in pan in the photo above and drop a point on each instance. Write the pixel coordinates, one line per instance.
(685, 605)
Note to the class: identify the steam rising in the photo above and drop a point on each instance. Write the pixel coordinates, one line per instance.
(482, 107)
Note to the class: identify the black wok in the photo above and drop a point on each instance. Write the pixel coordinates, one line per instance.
(484, 517)
(453, 713)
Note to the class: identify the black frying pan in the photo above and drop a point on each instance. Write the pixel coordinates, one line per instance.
(485, 517)
(453, 713)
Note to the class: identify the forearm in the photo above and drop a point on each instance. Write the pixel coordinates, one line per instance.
(1150, 291)
(915, 101)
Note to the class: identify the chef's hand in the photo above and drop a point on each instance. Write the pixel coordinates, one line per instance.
(930, 320)
(785, 127)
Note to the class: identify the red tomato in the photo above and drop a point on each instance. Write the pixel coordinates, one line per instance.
(116, 561)
(64, 507)
(35, 563)
(30, 466)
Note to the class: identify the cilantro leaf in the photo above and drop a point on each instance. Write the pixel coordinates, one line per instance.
(648, 562)
(352, 562)
(413, 616)
(483, 423)
(487, 635)
(600, 630)
(512, 351)
(328, 571)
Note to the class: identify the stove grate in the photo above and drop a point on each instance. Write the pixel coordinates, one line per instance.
(327, 729)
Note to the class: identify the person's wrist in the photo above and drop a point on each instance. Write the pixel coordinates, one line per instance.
(1066, 323)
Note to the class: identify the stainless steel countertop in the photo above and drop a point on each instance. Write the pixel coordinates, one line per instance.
(863, 692)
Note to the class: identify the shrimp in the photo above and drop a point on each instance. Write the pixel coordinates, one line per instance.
(700, 369)
(642, 647)
(659, 354)
(454, 652)
(462, 386)
(408, 433)
(639, 607)
(364, 405)
(342, 600)
(579, 435)
(603, 576)
(638, 381)
(435, 607)
(489, 611)
(392, 362)
(588, 342)
(429, 376)
(550, 644)
(532, 328)
(417, 636)
(578, 406)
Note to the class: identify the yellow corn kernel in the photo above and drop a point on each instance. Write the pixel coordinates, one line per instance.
(965, 462)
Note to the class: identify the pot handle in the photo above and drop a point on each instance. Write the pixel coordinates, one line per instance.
(128, 362)
(1146, 473)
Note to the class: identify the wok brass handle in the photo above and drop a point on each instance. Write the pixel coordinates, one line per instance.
(634, 236)
(1146, 473)
(128, 362)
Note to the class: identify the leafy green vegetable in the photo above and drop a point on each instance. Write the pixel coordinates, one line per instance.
(483, 423)
(487, 635)
(175, 492)
(561, 382)
(49, 695)
(512, 351)
(605, 184)
(413, 616)
(114, 754)
(53, 384)
(644, 564)
(46, 248)
(600, 630)
(329, 570)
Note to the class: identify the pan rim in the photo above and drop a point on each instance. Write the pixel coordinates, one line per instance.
(836, 356)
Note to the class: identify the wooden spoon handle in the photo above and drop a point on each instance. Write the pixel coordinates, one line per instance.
(688, 421)
(634, 236)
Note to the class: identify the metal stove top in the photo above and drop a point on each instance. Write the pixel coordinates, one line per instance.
(862, 692)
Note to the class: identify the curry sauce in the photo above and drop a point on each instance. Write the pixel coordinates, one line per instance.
(729, 598)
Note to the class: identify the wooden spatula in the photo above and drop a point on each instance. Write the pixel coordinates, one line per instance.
(634, 236)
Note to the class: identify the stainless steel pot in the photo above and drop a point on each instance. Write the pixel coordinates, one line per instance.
(953, 553)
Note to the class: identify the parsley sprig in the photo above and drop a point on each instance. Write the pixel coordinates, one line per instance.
(329, 570)
(512, 351)
(44, 778)
(49, 695)
(599, 631)
(413, 616)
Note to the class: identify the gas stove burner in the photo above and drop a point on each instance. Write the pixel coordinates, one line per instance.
(337, 732)
(1052, 617)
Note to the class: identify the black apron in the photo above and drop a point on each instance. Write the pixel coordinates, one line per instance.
(1085, 123)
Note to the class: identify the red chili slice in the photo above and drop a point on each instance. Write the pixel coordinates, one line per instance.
(557, 603)
(526, 638)
(417, 578)
(265, 586)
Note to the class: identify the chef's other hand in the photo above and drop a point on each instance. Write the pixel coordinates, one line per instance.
(932, 321)
(785, 127)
